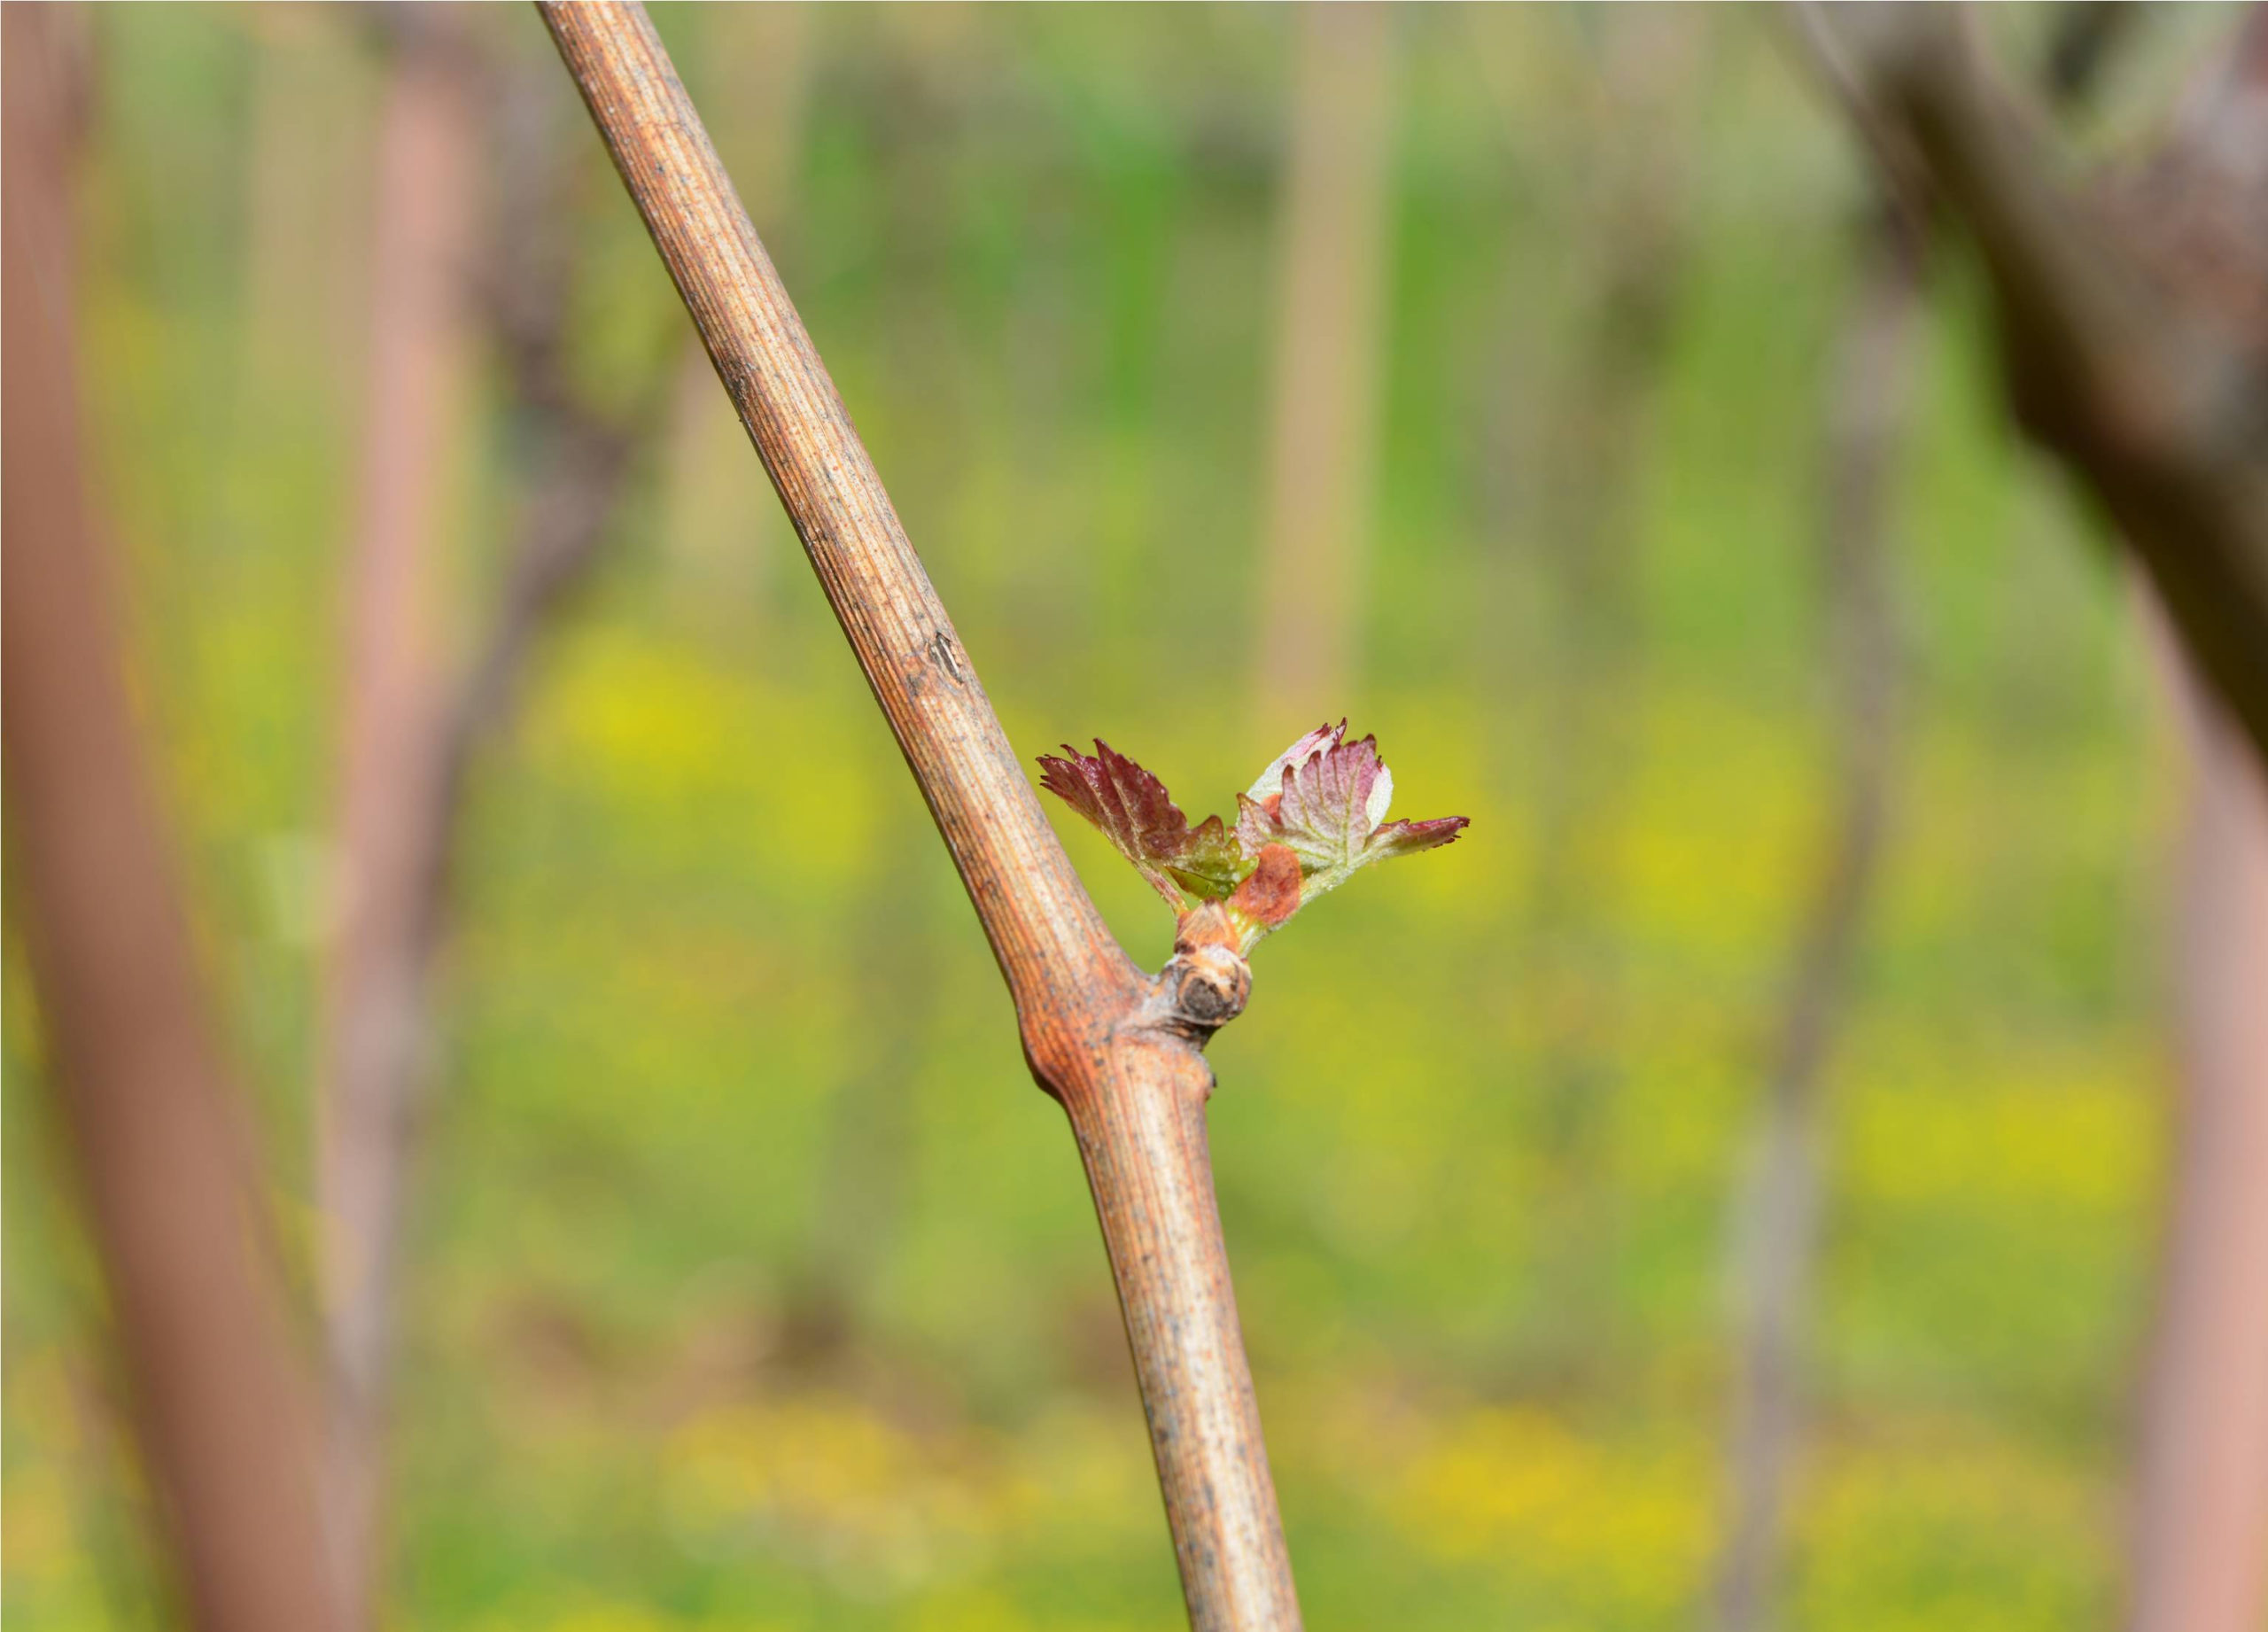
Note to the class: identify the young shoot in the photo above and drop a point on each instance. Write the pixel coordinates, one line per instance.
(1310, 821)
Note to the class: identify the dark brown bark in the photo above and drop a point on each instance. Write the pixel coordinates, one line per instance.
(219, 1400)
(2199, 1539)
(2149, 389)
(1107, 1041)
(1865, 416)
(2134, 329)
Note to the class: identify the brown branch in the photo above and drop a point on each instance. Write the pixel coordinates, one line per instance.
(2086, 37)
(220, 1403)
(2200, 1500)
(1866, 419)
(1632, 262)
(372, 1045)
(2155, 400)
(1866, 416)
(2135, 331)
(412, 745)
(1112, 1046)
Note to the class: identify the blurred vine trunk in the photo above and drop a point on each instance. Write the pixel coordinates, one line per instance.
(2199, 1526)
(170, 1185)
(1331, 256)
(2199, 1502)
(410, 744)
(373, 1039)
(1778, 1242)
(1865, 414)
(1633, 264)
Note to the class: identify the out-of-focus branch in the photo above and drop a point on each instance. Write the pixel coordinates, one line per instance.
(1575, 511)
(172, 1197)
(2083, 41)
(411, 740)
(372, 1041)
(2135, 322)
(1331, 259)
(1634, 262)
(2153, 397)
(1866, 417)
(2200, 1511)
(2199, 1502)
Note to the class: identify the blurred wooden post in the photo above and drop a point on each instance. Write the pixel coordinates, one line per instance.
(411, 737)
(1628, 263)
(173, 1204)
(374, 1036)
(1116, 1048)
(2199, 1513)
(2199, 1502)
(1331, 258)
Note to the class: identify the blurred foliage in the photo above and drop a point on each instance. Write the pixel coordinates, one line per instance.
(753, 1286)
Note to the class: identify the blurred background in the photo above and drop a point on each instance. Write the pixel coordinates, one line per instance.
(1788, 1040)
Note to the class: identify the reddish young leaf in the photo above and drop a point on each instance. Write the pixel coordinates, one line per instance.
(1134, 811)
(1407, 838)
(1314, 818)
(1327, 802)
(1332, 802)
(1270, 782)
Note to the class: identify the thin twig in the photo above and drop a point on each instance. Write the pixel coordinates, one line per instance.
(221, 1404)
(1633, 263)
(372, 1043)
(415, 789)
(1866, 416)
(1117, 1049)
